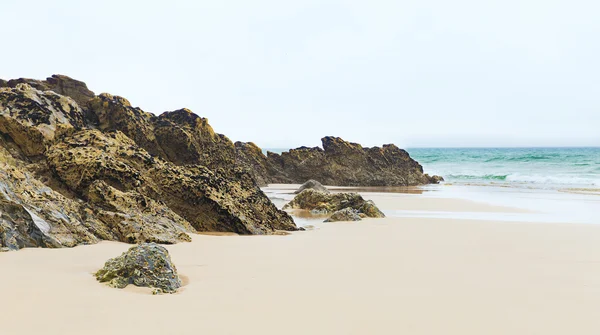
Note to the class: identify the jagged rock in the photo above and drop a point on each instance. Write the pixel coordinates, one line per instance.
(20, 228)
(369, 209)
(181, 136)
(116, 113)
(188, 139)
(34, 215)
(249, 155)
(32, 118)
(145, 265)
(63, 85)
(325, 203)
(346, 214)
(208, 200)
(313, 185)
(347, 164)
(136, 218)
(63, 184)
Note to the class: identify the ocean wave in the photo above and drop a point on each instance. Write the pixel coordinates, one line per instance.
(478, 177)
(592, 180)
(525, 158)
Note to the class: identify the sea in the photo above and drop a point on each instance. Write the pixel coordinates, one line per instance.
(548, 168)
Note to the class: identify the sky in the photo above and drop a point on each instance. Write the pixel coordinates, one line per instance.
(283, 74)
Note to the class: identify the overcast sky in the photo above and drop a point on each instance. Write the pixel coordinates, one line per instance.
(286, 73)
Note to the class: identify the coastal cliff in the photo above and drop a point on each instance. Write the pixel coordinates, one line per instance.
(77, 168)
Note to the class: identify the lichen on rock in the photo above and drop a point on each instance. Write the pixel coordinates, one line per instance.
(145, 265)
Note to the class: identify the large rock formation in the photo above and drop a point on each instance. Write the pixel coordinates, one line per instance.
(70, 176)
(78, 168)
(146, 265)
(343, 163)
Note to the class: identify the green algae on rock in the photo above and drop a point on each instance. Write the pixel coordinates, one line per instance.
(144, 265)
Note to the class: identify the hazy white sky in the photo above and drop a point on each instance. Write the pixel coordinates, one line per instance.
(286, 73)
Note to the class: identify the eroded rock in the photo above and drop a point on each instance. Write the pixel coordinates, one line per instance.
(313, 185)
(32, 118)
(63, 85)
(209, 201)
(344, 163)
(326, 203)
(346, 214)
(145, 265)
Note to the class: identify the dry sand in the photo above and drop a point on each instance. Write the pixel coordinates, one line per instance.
(379, 276)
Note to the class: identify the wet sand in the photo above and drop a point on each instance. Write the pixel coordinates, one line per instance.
(379, 276)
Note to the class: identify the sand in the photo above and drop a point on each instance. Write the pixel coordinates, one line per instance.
(379, 276)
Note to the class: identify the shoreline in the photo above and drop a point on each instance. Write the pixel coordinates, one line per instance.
(399, 274)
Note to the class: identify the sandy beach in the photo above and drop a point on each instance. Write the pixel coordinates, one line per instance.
(379, 276)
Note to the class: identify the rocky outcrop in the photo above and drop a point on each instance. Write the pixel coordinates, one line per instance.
(346, 214)
(65, 181)
(208, 200)
(180, 137)
(32, 118)
(343, 163)
(326, 203)
(146, 265)
(249, 155)
(312, 185)
(63, 85)
(34, 215)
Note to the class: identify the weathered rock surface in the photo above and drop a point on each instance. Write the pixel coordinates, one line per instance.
(206, 199)
(249, 155)
(63, 85)
(32, 118)
(343, 163)
(34, 215)
(326, 203)
(313, 185)
(67, 178)
(346, 214)
(180, 137)
(145, 265)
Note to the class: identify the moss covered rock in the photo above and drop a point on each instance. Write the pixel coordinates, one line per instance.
(145, 265)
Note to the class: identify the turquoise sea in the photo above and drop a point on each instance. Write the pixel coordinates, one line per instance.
(557, 168)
